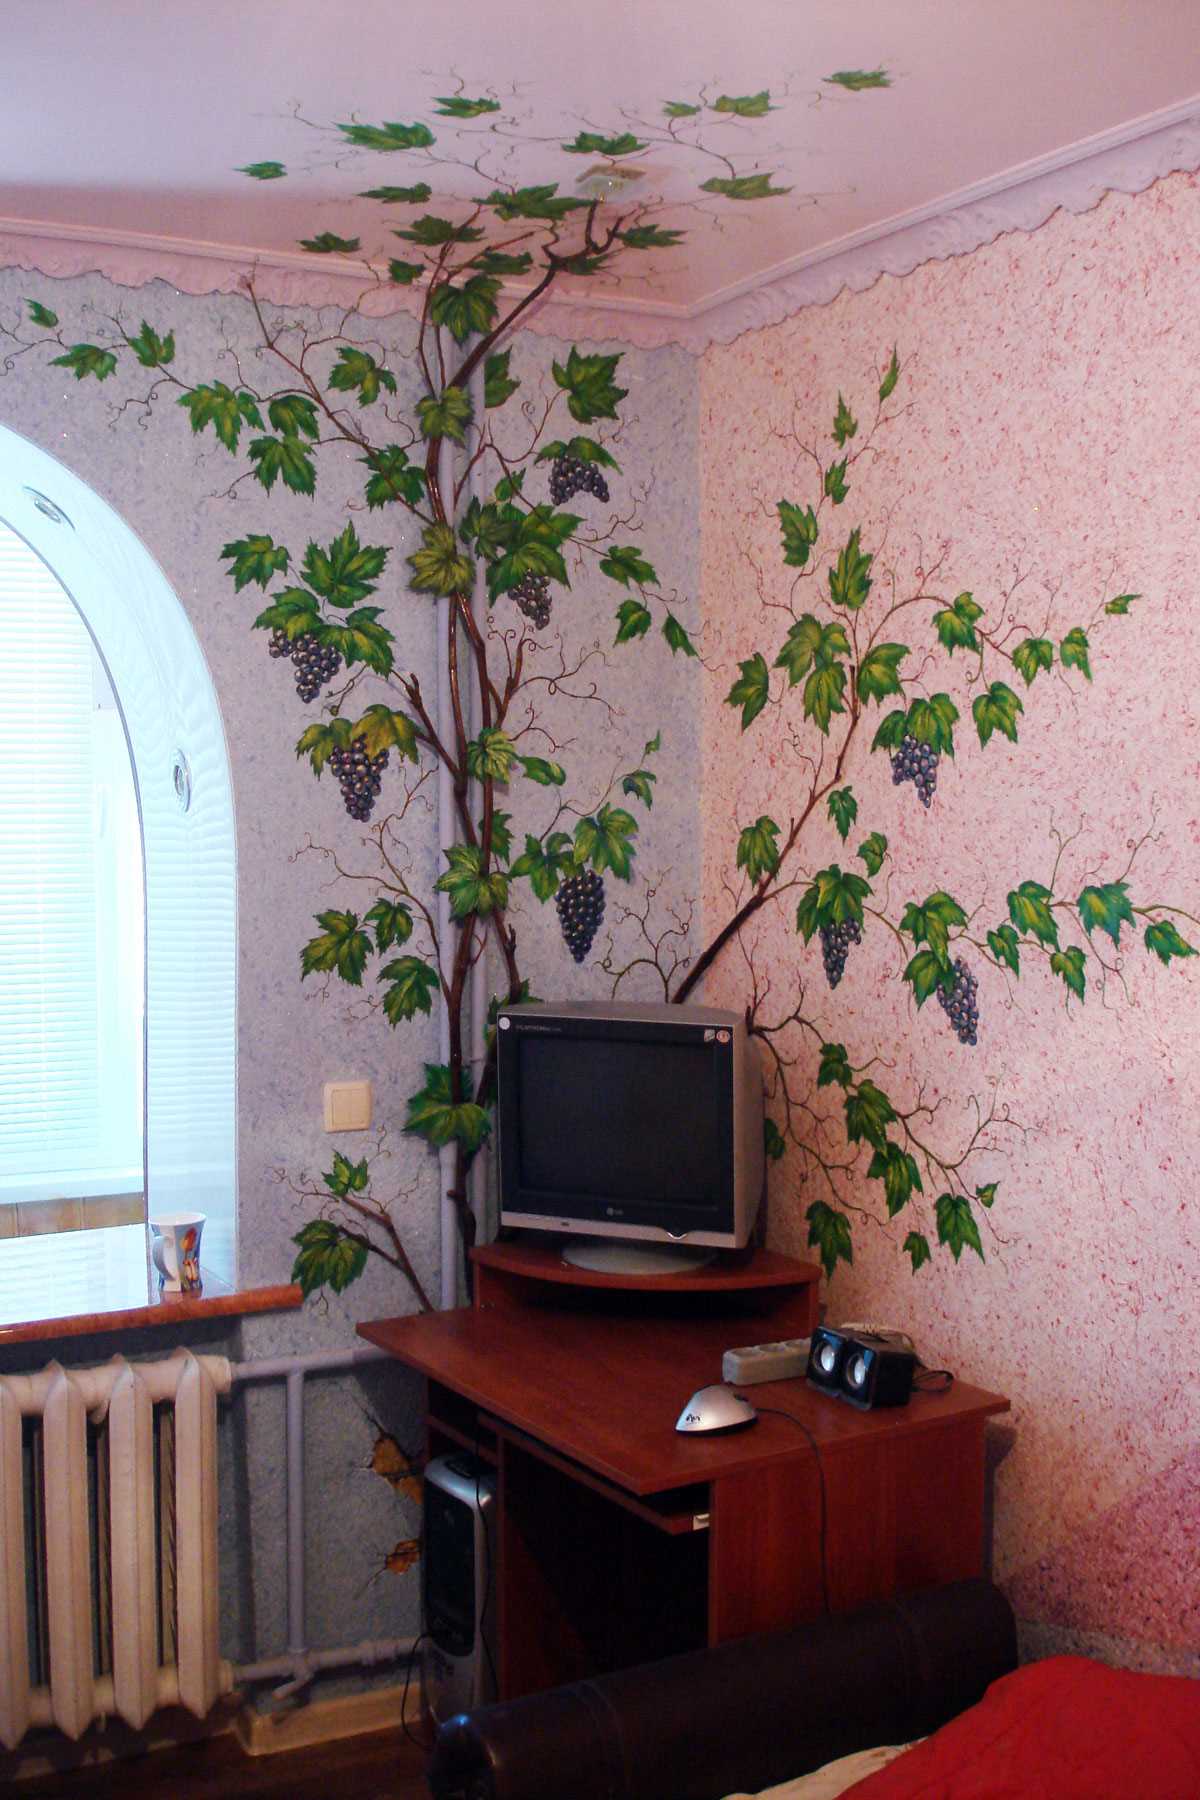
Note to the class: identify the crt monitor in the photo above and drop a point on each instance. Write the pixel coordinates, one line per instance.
(630, 1125)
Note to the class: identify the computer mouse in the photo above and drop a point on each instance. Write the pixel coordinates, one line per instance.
(715, 1408)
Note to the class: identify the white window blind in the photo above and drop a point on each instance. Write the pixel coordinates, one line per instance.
(71, 904)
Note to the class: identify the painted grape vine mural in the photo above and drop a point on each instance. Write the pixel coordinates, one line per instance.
(492, 535)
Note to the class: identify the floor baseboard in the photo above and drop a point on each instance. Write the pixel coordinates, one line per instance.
(323, 1721)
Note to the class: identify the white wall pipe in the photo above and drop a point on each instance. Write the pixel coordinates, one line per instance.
(479, 983)
(447, 835)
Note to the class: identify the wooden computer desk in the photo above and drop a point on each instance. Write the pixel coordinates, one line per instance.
(619, 1539)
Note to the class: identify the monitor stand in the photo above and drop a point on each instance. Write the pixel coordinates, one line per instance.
(609, 1256)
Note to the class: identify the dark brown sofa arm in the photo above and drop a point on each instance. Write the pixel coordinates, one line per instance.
(740, 1717)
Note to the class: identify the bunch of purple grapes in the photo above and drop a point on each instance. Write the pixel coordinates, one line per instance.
(960, 1005)
(532, 595)
(580, 903)
(315, 663)
(570, 475)
(918, 763)
(835, 948)
(360, 778)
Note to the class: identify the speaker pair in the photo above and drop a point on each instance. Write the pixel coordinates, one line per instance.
(865, 1368)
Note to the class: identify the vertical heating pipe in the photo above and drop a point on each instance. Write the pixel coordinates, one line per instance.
(295, 1512)
(447, 835)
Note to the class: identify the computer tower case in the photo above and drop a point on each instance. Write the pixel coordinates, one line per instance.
(457, 1586)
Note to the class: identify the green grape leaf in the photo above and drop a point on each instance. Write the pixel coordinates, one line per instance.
(1165, 941)
(956, 1225)
(625, 563)
(501, 836)
(293, 611)
(345, 573)
(898, 1171)
(328, 243)
(294, 415)
(751, 689)
(679, 109)
(757, 851)
(358, 369)
(1073, 651)
(891, 376)
(342, 948)
(878, 674)
(835, 1067)
(41, 315)
(491, 756)
(152, 351)
(347, 1177)
(541, 202)
(829, 1236)
(399, 196)
(1119, 604)
(286, 458)
(404, 273)
(532, 541)
(594, 143)
(542, 863)
(435, 1115)
(1031, 656)
(263, 171)
(799, 527)
(823, 694)
(583, 449)
(457, 106)
(640, 783)
(317, 742)
(856, 81)
(257, 558)
(996, 710)
(916, 1245)
(650, 237)
(327, 1256)
(1106, 906)
(743, 187)
(603, 840)
(588, 383)
(868, 1114)
(465, 310)
(498, 384)
(1029, 910)
(1071, 965)
(843, 810)
(676, 636)
(850, 577)
(470, 890)
(931, 922)
(925, 974)
(362, 640)
(633, 621)
(545, 774)
(446, 414)
(87, 359)
(221, 408)
(439, 566)
(845, 425)
(381, 728)
(809, 641)
(987, 1194)
(503, 262)
(773, 1144)
(932, 722)
(745, 106)
(873, 850)
(1005, 946)
(392, 477)
(955, 624)
(388, 136)
(834, 483)
(392, 921)
(411, 986)
(431, 232)
(891, 732)
(831, 898)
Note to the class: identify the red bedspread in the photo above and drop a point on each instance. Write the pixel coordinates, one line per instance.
(1063, 1729)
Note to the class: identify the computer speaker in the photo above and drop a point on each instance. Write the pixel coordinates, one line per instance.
(865, 1368)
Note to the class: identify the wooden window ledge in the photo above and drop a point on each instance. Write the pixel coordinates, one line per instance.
(76, 1283)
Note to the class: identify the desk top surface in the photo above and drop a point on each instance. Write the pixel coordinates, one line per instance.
(606, 1389)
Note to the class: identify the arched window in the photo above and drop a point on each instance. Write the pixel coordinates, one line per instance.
(117, 944)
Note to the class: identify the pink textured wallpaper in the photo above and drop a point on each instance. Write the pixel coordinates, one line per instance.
(1043, 454)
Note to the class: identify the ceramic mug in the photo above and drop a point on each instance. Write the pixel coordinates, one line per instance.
(176, 1251)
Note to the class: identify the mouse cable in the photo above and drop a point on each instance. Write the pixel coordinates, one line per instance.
(783, 1413)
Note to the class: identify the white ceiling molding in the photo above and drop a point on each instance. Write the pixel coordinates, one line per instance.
(1124, 161)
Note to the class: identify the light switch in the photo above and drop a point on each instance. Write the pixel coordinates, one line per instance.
(347, 1105)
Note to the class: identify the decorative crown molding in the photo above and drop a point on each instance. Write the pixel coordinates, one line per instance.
(1127, 161)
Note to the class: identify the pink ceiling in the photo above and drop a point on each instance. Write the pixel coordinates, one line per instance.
(121, 117)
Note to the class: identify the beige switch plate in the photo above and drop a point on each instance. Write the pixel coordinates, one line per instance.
(347, 1105)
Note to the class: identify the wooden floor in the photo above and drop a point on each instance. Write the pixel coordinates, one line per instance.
(376, 1766)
